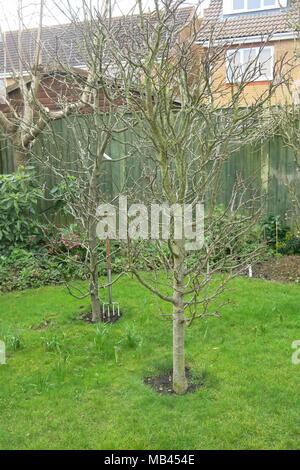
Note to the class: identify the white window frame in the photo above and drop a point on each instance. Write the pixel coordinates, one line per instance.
(228, 7)
(246, 50)
(2, 90)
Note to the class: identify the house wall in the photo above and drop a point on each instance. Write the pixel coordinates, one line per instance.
(55, 91)
(9, 81)
(286, 58)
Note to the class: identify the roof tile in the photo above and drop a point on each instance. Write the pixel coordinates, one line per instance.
(69, 44)
(217, 26)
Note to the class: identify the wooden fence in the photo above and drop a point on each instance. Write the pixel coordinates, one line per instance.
(270, 164)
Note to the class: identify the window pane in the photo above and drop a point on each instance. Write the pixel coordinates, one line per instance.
(251, 65)
(238, 4)
(2, 91)
(265, 60)
(269, 3)
(254, 4)
(234, 68)
(230, 66)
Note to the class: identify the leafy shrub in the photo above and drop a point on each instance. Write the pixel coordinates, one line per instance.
(290, 247)
(19, 196)
(67, 239)
(279, 237)
(22, 269)
(275, 230)
(55, 257)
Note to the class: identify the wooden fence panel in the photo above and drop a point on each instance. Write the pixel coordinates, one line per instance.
(6, 157)
(269, 166)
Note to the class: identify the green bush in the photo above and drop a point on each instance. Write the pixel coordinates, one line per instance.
(22, 269)
(19, 196)
(290, 247)
(279, 237)
(275, 230)
(32, 255)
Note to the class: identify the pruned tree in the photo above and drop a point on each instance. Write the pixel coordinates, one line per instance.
(187, 124)
(108, 115)
(80, 189)
(78, 158)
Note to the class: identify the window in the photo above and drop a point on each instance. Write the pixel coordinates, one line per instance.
(250, 64)
(242, 6)
(2, 91)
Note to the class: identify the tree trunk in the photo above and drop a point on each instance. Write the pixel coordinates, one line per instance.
(94, 199)
(180, 384)
(94, 282)
(94, 288)
(95, 301)
(20, 158)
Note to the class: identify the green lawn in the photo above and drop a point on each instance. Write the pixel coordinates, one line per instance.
(76, 386)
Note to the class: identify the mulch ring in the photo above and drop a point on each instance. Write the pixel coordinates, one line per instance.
(105, 318)
(163, 383)
(281, 269)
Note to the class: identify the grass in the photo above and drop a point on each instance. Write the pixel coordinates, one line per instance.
(68, 384)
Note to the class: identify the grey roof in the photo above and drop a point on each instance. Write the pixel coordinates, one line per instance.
(69, 44)
(218, 26)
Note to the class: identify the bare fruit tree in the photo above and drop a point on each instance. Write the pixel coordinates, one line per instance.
(79, 157)
(187, 125)
(107, 117)
(160, 83)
